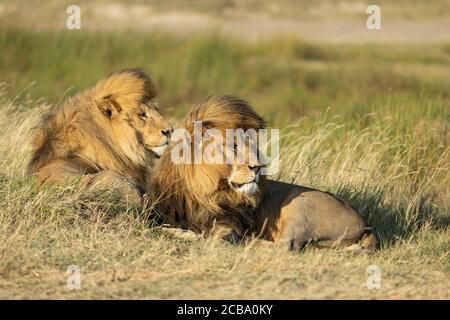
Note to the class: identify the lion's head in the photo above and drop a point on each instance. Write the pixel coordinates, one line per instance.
(236, 178)
(130, 108)
(115, 126)
(215, 180)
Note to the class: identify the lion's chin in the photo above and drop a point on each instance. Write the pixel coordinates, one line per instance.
(159, 150)
(249, 189)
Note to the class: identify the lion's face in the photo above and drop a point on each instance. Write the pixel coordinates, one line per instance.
(154, 129)
(244, 179)
(245, 172)
(240, 176)
(137, 127)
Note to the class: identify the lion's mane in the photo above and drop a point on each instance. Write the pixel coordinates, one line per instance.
(79, 133)
(190, 196)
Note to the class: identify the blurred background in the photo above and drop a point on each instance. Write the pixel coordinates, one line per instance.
(288, 58)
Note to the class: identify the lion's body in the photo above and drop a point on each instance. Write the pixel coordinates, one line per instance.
(91, 135)
(225, 200)
(296, 215)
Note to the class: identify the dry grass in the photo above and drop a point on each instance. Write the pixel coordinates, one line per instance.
(399, 182)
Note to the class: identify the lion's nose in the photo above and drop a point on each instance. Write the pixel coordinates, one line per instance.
(167, 133)
(254, 168)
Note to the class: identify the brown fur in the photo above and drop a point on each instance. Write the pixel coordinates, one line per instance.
(104, 134)
(295, 216)
(196, 197)
(201, 198)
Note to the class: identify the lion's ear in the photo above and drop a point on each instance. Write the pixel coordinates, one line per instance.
(109, 107)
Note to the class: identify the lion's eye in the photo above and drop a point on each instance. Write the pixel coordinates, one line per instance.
(143, 115)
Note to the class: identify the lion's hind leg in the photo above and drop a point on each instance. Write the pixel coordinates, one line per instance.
(57, 171)
(367, 242)
(315, 217)
(61, 171)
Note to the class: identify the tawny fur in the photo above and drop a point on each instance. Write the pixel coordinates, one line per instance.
(97, 134)
(198, 197)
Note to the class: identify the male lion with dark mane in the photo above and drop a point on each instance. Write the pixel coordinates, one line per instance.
(108, 135)
(234, 200)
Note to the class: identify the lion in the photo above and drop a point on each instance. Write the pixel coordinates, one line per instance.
(234, 201)
(108, 136)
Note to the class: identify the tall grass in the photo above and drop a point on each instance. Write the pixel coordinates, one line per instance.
(398, 183)
(371, 124)
(297, 78)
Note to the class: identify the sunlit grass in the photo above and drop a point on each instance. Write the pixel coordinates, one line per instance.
(369, 123)
(297, 78)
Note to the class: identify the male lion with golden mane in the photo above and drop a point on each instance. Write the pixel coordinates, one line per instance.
(108, 135)
(228, 200)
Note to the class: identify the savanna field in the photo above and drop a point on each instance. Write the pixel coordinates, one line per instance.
(369, 122)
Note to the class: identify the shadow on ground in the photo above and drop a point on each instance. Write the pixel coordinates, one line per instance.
(397, 222)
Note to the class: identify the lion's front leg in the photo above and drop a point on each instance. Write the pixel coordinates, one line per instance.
(221, 232)
(229, 234)
(181, 233)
